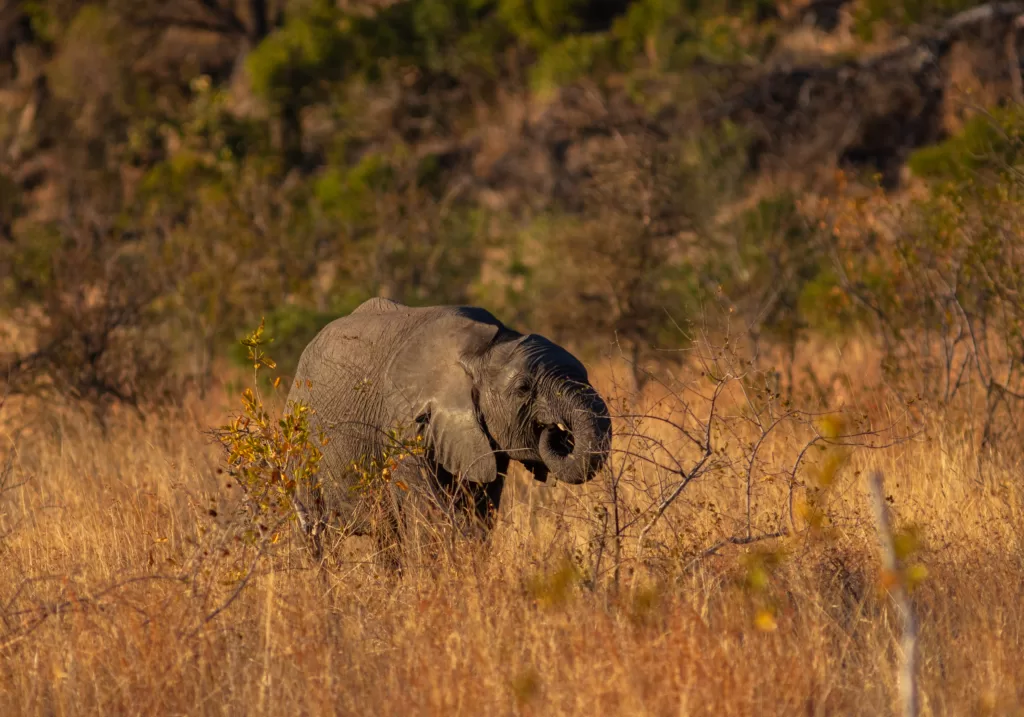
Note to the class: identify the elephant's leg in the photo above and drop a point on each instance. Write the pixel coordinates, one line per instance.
(311, 513)
(406, 506)
(388, 541)
(487, 497)
(471, 506)
(444, 492)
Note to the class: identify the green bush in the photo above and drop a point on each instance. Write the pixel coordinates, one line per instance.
(904, 13)
(347, 192)
(296, 59)
(28, 262)
(567, 61)
(780, 272)
(989, 142)
(292, 328)
(275, 463)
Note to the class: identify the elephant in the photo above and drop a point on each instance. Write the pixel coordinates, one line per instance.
(470, 392)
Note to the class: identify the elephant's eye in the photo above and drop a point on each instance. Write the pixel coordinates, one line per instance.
(521, 385)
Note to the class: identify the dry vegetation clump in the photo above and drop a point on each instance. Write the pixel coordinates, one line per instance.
(127, 584)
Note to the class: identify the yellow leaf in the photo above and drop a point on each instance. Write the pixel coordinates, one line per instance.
(764, 621)
(905, 543)
(831, 426)
(916, 573)
(758, 578)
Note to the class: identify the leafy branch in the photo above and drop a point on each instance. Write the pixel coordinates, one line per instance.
(274, 462)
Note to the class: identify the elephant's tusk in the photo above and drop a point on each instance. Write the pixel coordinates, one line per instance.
(561, 426)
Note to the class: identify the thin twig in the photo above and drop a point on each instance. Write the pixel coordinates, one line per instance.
(694, 472)
(736, 540)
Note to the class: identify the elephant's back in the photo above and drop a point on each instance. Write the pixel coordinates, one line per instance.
(355, 352)
(343, 375)
(388, 312)
(344, 367)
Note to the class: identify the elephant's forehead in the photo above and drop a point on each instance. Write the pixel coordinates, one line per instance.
(541, 354)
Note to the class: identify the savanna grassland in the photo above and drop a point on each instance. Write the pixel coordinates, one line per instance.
(122, 593)
(784, 236)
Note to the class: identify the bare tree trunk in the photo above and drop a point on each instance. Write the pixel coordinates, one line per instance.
(289, 133)
(260, 23)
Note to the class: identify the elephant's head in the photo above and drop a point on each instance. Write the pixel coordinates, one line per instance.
(537, 403)
(500, 392)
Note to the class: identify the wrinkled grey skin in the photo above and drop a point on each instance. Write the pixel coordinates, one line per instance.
(478, 393)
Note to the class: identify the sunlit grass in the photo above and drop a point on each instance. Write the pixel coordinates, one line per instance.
(799, 625)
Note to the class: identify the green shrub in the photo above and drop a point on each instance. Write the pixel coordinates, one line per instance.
(347, 192)
(567, 61)
(989, 142)
(293, 327)
(296, 59)
(904, 13)
(28, 262)
(780, 273)
(44, 24)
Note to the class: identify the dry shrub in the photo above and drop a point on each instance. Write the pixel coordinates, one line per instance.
(937, 276)
(90, 339)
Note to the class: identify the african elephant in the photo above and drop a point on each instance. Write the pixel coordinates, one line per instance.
(475, 394)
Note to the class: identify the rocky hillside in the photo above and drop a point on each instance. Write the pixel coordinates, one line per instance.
(602, 163)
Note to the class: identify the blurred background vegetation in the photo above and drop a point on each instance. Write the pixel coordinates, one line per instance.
(613, 173)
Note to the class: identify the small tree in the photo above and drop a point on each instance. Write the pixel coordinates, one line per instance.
(941, 278)
(91, 313)
(272, 460)
(625, 257)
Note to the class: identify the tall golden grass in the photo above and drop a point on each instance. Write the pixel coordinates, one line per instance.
(97, 528)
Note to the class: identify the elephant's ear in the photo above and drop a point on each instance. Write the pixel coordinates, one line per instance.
(455, 427)
(459, 439)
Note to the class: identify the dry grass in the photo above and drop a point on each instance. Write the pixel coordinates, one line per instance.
(511, 629)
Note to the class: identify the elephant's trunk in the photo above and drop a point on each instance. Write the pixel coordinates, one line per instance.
(575, 445)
